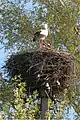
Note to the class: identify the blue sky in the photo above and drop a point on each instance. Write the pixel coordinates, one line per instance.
(2, 57)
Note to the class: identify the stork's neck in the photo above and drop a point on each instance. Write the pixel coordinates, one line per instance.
(46, 26)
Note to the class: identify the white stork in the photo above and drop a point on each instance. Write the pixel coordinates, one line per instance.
(41, 35)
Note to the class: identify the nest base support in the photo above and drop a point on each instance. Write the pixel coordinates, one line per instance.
(44, 105)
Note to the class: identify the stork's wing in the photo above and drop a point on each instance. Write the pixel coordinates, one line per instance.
(36, 36)
(40, 35)
(37, 33)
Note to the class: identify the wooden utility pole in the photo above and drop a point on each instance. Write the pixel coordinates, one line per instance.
(44, 104)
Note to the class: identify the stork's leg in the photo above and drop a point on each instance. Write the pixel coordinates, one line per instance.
(41, 44)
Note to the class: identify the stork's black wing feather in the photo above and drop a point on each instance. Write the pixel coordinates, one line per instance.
(34, 39)
(36, 35)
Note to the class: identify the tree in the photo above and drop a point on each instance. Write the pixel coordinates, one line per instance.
(6, 96)
(18, 25)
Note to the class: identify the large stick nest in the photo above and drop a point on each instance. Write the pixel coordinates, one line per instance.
(41, 67)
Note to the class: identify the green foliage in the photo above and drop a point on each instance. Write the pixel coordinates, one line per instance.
(26, 107)
(18, 23)
(6, 96)
(63, 20)
(32, 103)
(17, 26)
(64, 103)
(20, 110)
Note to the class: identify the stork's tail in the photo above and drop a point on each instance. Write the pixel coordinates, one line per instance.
(34, 39)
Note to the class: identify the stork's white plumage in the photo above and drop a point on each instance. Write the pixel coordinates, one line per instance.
(47, 86)
(41, 35)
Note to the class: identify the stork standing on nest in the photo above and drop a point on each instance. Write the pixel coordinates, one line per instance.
(41, 35)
